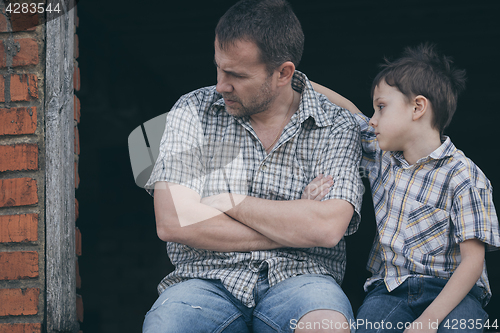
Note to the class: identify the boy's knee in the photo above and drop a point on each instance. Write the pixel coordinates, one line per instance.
(323, 321)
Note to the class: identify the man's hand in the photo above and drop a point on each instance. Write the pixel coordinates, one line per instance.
(318, 188)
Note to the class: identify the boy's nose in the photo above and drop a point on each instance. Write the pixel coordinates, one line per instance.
(372, 122)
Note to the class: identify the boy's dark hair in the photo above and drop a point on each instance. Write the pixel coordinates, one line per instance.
(271, 24)
(422, 71)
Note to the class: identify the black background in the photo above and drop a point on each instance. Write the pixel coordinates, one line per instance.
(138, 58)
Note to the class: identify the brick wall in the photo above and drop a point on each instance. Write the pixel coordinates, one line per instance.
(22, 172)
(21, 175)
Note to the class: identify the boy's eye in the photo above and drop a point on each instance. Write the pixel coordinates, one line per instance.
(380, 107)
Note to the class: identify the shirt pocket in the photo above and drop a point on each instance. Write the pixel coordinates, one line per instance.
(426, 230)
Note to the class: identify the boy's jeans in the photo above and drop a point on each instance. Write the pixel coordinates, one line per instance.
(384, 311)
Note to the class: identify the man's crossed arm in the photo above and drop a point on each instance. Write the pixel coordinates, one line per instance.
(253, 224)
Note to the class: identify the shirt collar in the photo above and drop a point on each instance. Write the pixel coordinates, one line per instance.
(447, 149)
(310, 105)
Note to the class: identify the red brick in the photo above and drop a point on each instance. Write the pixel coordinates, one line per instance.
(18, 192)
(18, 157)
(23, 87)
(77, 209)
(18, 120)
(28, 52)
(24, 22)
(19, 302)
(21, 328)
(78, 277)
(79, 308)
(77, 176)
(76, 78)
(18, 228)
(77, 108)
(3, 58)
(77, 141)
(18, 265)
(78, 242)
(77, 47)
(2, 88)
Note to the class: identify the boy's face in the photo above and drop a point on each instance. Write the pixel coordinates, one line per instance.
(392, 118)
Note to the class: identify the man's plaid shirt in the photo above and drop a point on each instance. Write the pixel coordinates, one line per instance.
(424, 211)
(211, 152)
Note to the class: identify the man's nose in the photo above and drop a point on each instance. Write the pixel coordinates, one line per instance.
(223, 85)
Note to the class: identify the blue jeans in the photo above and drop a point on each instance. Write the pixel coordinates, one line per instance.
(198, 305)
(384, 311)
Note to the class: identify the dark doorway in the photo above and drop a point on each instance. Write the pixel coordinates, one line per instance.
(138, 58)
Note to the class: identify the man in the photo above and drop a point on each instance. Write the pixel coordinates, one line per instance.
(248, 147)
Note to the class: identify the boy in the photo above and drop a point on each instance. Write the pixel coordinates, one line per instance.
(433, 205)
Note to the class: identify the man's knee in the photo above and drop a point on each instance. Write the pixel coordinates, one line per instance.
(195, 306)
(323, 321)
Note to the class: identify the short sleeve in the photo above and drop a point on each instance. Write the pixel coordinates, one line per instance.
(180, 159)
(473, 215)
(342, 158)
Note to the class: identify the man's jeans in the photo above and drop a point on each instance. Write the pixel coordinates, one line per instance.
(205, 306)
(384, 311)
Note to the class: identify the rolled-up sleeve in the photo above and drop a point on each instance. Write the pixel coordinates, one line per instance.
(473, 215)
(342, 158)
(180, 158)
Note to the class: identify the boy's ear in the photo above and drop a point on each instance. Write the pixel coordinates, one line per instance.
(286, 71)
(420, 107)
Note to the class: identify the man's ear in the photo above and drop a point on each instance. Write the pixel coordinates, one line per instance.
(286, 71)
(420, 107)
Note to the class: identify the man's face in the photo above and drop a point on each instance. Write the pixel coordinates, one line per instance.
(243, 80)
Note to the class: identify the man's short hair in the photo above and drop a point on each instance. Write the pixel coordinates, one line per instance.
(422, 71)
(270, 24)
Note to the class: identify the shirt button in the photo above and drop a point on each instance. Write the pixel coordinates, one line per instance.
(245, 289)
(391, 273)
(263, 167)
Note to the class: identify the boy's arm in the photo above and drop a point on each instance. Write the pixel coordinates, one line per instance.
(335, 98)
(368, 138)
(461, 282)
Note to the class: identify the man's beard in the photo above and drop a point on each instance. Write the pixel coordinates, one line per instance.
(257, 104)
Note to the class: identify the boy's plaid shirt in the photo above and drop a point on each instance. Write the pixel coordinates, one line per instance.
(207, 150)
(424, 211)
